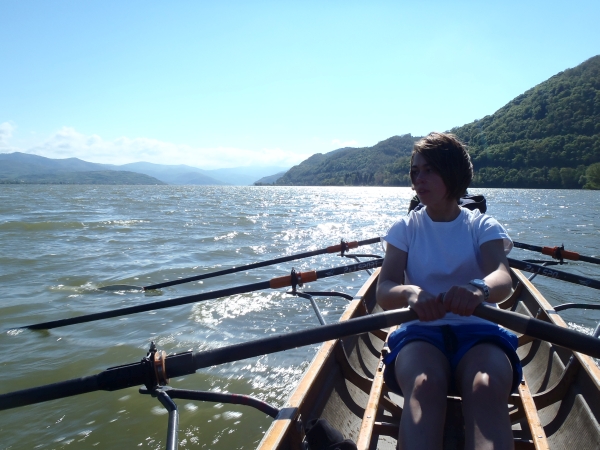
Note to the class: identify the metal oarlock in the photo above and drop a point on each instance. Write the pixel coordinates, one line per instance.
(296, 279)
(173, 427)
(533, 275)
(310, 295)
(166, 394)
(355, 257)
(344, 247)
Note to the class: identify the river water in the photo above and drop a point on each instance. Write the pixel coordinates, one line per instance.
(58, 244)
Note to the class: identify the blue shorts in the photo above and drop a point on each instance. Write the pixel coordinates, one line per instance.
(453, 341)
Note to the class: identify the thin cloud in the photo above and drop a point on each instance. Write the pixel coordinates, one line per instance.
(6, 131)
(69, 143)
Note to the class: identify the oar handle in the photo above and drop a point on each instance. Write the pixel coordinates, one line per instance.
(539, 329)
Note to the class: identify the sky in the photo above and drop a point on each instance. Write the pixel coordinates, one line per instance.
(267, 83)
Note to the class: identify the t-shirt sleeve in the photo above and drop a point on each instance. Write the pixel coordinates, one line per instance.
(397, 235)
(490, 229)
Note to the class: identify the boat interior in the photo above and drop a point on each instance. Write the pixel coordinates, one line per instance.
(557, 404)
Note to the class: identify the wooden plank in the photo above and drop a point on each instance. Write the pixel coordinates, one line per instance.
(537, 430)
(368, 421)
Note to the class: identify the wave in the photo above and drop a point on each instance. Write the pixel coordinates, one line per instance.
(19, 225)
(40, 226)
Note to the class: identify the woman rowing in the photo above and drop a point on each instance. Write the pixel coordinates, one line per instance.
(443, 248)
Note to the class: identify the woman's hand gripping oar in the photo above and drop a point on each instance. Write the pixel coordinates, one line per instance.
(343, 247)
(274, 283)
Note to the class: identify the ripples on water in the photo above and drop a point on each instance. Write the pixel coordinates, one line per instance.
(59, 243)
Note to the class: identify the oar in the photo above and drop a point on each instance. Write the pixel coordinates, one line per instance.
(344, 246)
(558, 253)
(275, 283)
(548, 272)
(563, 337)
(177, 365)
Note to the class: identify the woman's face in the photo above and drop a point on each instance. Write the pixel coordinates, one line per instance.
(427, 182)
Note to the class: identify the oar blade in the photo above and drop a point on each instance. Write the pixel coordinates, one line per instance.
(121, 287)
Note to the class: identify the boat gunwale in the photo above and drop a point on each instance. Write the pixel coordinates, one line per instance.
(587, 362)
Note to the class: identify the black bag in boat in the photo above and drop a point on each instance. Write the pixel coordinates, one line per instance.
(468, 201)
(322, 436)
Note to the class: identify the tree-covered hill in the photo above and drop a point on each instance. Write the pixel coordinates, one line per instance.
(545, 138)
(354, 166)
(548, 137)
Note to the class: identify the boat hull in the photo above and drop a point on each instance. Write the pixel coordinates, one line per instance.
(558, 405)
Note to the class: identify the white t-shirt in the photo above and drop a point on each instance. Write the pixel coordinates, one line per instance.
(445, 254)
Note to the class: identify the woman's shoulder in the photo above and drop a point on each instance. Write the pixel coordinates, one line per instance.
(412, 218)
(403, 230)
(401, 224)
(478, 218)
(486, 228)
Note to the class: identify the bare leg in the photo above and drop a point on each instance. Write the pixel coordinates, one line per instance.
(423, 373)
(484, 377)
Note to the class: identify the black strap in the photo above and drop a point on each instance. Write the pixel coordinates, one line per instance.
(468, 201)
(320, 435)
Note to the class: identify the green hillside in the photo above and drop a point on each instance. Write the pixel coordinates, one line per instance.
(95, 177)
(548, 137)
(379, 165)
(545, 138)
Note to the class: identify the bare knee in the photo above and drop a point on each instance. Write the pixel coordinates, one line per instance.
(422, 372)
(425, 386)
(489, 386)
(486, 374)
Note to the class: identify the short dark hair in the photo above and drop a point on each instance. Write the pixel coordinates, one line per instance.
(448, 156)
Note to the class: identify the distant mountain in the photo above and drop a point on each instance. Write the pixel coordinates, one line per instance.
(24, 166)
(244, 176)
(20, 164)
(96, 177)
(271, 179)
(548, 137)
(183, 174)
(175, 174)
(32, 169)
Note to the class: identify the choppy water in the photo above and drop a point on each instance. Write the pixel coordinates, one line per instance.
(59, 243)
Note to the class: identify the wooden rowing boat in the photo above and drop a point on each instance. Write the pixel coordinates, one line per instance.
(557, 406)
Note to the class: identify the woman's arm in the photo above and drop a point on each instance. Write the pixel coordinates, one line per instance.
(392, 293)
(464, 299)
(495, 265)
